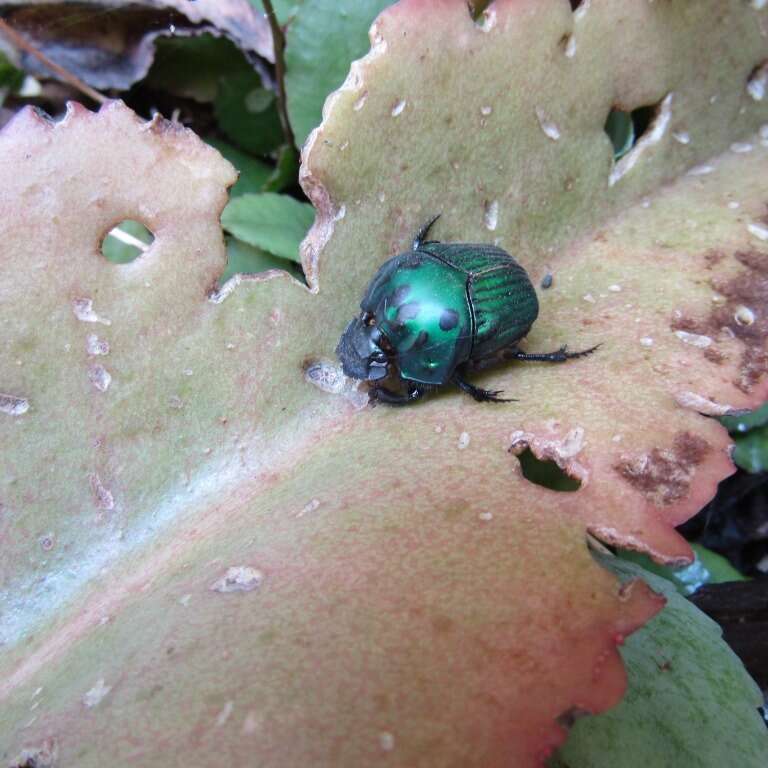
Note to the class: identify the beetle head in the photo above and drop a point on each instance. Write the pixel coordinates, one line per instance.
(360, 354)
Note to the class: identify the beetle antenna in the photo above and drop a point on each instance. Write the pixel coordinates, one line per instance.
(422, 233)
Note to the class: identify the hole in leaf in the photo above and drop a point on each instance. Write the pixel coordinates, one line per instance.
(245, 259)
(575, 4)
(126, 241)
(624, 129)
(546, 473)
(477, 8)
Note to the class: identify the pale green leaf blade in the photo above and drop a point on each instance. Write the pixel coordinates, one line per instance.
(275, 223)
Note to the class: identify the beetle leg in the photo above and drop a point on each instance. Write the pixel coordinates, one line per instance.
(481, 395)
(384, 395)
(552, 357)
(418, 241)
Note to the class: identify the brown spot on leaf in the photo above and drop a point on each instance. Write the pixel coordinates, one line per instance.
(690, 449)
(748, 289)
(442, 624)
(713, 257)
(714, 356)
(663, 475)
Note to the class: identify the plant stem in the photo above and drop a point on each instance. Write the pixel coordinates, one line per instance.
(20, 42)
(278, 43)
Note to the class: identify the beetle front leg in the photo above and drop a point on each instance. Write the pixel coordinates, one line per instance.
(384, 395)
(552, 357)
(478, 393)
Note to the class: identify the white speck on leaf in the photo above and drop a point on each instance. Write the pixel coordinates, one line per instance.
(694, 339)
(570, 46)
(581, 11)
(700, 170)
(550, 129)
(733, 205)
(741, 147)
(223, 716)
(486, 111)
(96, 695)
(485, 516)
(46, 755)
(760, 231)
(646, 341)
(464, 439)
(682, 137)
(757, 82)
(491, 214)
(102, 496)
(386, 741)
(615, 288)
(83, 309)
(572, 443)
(99, 376)
(184, 600)
(251, 723)
(95, 346)
(398, 108)
(310, 506)
(701, 404)
(744, 315)
(12, 405)
(360, 103)
(589, 297)
(238, 578)
(329, 377)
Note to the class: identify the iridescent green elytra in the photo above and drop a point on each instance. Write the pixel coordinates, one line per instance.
(437, 311)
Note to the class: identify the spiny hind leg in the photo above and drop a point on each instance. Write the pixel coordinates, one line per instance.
(560, 356)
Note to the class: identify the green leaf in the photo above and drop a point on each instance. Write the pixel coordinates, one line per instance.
(244, 259)
(254, 173)
(743, 422)
(10, 77)
(621, 132)
(192, 66)
(751, 451)
(707, 568)
(286, 172)
(718, 567)
(750, 434)
(247, 113)
(321, 41)
(690, 702)
(275, 223)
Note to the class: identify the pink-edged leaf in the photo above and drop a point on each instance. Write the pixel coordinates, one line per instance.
(207, 557)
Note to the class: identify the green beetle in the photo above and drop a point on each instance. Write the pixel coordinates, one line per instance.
(438, 311)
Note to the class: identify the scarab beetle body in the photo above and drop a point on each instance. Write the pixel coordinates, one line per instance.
(437, 311)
